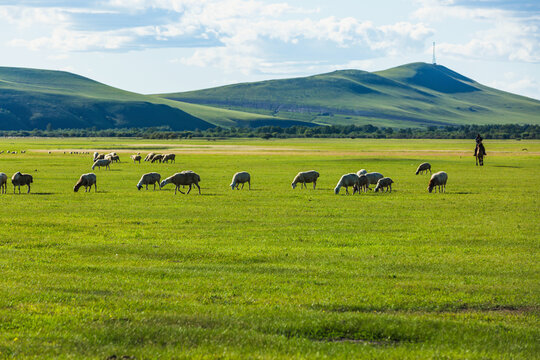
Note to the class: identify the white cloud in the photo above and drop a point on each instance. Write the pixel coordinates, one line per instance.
(517, 84)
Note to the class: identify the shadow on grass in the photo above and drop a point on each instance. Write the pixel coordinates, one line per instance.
(508, 166)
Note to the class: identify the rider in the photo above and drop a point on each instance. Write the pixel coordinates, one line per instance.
(479, 145)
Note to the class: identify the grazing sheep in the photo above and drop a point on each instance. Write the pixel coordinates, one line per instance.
(361, 172)
(241, 178)
(136, 158)
(304, 177)
(438, 179)
(115, 158)
(373, 178)
(86, 180)
(384, 183)
(102, 162)
(99, 157)
(149, 179)
(346, 181)
(423, 167)
(19, 179)
(149, 156)
(157, 157)
(3, 183)
(363, 184)
(168, 157)
(183, 178)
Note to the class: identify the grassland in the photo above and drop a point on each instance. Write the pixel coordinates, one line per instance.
(272, 272)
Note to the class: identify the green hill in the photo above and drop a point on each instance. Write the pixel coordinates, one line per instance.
(415, 94)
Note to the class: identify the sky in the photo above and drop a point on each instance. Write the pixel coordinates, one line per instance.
(160, 46)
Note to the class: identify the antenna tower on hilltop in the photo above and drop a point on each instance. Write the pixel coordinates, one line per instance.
(434, 62)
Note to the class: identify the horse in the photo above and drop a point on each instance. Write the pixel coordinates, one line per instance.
(479, 153)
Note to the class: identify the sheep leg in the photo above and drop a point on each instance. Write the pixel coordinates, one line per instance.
(197, 185)
(249, 183)
(314, 183)
(189, 188)
(243, 186)
(178, 187)
(28, 192)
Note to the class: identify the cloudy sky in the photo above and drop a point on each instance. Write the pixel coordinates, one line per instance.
(152, 46)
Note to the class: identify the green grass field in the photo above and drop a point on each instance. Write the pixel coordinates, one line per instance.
(272, 272)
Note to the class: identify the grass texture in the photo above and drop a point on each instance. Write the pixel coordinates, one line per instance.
(271, 273)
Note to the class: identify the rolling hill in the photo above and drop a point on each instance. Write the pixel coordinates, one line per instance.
(411, 95)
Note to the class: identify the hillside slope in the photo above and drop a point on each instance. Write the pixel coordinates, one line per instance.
(415, 94)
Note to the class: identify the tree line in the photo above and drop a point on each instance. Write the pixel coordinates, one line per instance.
(509, 131)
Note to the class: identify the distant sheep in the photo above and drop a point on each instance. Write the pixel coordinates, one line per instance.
(423, 167)
(363, 184)
(384, 183)
(86, 180)
(438, 179)
(157, 157)
(168, 157)
(103, 162)
(136, 158)
(241, 178)
(149, 179)
(346, 181)
(19, 180)
(3, 183)
(149, 157)
(304, 177)
(183, 178)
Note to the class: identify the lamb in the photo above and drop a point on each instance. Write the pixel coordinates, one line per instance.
(149, 179)
(363, 184)
(438, 179)
(346, 181)
(19, 179)
(149, 156)
(183, 178)
(136, 158)
(423, 167)
(384, 183)
(102, 162)
(168, 157)
(157, 157)
(241, 178)
(86, 180)
(361, 172)
(3, 183)
(304, 177)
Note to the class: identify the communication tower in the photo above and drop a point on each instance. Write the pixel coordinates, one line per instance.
(434, 61)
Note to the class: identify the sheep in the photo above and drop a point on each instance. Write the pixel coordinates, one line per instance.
(423, 167)
(347, 180)
(86, 180)
(183, 178)
(168, 157)
(136, 158)
(373, 177)
(363, 184)
(438, 179)
(149, 179)
(241, 178)
(98, 156)
(384, 183)
(157, 157)
(304, 177)
(149, 156)
(361, 172)
(19, 179)
(102, 162)
(3, 183)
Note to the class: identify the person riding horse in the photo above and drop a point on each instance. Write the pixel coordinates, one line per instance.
(479, 146)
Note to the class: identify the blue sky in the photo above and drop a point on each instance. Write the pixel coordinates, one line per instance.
(153, 46)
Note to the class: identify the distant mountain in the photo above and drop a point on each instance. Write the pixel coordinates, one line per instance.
(415, 94)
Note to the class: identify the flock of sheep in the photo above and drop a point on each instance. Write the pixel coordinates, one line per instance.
(359, 181)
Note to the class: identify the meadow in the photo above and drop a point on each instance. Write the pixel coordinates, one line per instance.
(271, 273)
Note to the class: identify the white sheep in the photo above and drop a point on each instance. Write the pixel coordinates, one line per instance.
(346, 181)
(136, 158)
(157, 157)
(438, 179)
(361, 172)
(363, 184)
(167, 157)
(373, 178)
(149, 179)
(187, 177)
(149, 156)
(3, 183)
(241, 178)
(86, 180)
(304, 177)
(423, 167)
(102, 162)
(384, 183)
(19, 179)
